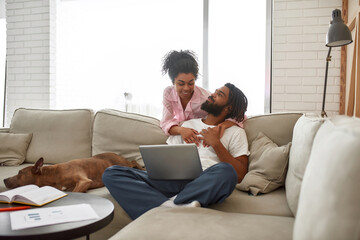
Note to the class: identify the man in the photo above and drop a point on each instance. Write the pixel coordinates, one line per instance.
(224, 161)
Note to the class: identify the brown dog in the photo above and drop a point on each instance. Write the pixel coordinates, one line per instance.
(77, 175)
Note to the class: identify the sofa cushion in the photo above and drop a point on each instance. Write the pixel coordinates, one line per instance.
(120, 220)
(276, 126)
(13, 148)
(267, 166)
(203, 224)
(58, 135)
(122, 133)
(304, 132)
(273, 203)
(330, 194)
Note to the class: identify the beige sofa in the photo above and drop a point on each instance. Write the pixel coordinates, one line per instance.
(321, 177)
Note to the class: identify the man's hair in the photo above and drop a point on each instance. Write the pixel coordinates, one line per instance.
(238, 102)
(184, 61)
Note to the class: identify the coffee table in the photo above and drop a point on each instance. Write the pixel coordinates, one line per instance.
(103, 207)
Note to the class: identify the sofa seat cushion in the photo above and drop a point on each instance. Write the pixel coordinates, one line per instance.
(120, 220)
(273, 203)
(204, 224)
(122, 133)
(58, 135)
(329, 200)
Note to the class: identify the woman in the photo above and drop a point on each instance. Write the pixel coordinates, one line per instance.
(183, 100)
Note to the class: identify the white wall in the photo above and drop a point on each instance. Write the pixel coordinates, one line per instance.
(30, 54)
(2, 9)
(2, 57)
(299, 57)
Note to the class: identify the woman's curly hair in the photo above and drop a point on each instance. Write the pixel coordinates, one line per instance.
(183, 61)
(238, 102)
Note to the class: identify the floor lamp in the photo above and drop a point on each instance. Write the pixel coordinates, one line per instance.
(337, 36)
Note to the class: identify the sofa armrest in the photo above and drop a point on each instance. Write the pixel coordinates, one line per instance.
(4, 130)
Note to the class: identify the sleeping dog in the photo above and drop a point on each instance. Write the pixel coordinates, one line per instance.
(78, 175)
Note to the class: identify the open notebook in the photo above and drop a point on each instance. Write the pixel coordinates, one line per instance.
(31, 195)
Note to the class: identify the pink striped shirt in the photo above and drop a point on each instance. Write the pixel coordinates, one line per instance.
(173, 113)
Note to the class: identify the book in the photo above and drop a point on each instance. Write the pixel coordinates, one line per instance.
(31, 195)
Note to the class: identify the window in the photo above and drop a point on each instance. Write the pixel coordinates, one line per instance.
(106, 49)
(237, 40)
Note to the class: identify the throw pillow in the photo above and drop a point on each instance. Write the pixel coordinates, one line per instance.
(267, 166)
(13, 148)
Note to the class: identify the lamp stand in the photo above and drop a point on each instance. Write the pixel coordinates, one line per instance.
(328, 59)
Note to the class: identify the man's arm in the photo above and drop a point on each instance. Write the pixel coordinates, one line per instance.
(240, 163)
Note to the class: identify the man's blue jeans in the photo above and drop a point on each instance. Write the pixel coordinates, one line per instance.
(137, 194)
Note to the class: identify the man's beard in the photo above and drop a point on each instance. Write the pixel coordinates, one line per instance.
(212, 108)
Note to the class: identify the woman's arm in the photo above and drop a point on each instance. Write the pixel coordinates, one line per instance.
(168, 121)
(189, 135)
(225, 125)
(229, 123)
(168, 118)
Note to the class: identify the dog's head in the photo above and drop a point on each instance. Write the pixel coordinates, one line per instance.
(27, 175)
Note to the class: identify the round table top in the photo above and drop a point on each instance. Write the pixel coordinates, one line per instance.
(103, 207)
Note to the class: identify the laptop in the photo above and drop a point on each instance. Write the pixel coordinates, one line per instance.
(171, 162)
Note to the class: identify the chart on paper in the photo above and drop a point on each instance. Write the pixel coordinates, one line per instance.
(34, 217)
(51, 215)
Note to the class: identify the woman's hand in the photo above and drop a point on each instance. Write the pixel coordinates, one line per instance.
(220, 129)
(223, 126)
(210, 137)
(189, 135)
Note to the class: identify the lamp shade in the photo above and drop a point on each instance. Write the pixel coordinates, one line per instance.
(338, 34)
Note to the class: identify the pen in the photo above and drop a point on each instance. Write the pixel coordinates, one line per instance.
(14, 208)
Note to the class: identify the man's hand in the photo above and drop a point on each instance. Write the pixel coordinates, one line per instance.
(210, 137)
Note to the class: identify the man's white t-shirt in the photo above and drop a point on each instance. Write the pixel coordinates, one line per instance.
(234, 140)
